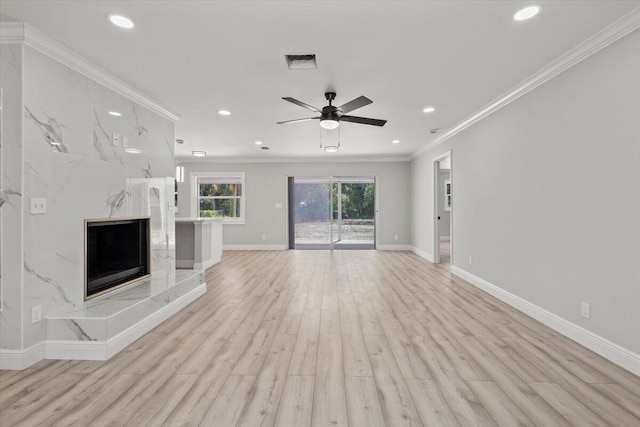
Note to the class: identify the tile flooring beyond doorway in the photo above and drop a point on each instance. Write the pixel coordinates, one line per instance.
(359, 338)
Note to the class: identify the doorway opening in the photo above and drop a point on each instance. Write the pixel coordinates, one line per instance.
(442, 209)
(332, 212)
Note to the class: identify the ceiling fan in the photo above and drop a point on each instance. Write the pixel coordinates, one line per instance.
(331, 116)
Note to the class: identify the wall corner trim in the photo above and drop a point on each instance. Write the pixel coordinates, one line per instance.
(605, 348)
(18, 32)
(616, 30)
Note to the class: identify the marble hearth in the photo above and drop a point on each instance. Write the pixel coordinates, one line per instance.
(106, 325)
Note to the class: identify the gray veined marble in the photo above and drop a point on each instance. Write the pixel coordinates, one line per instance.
(114, 203)
(6, 195)
(48, 281)
(138, 126)
(148, 172)
(51, 130)
(97, 144)
(80, 334)
(101, 139)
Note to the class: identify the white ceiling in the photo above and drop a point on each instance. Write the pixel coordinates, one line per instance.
(197, 57)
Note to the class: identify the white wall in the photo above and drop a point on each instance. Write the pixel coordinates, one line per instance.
(266, 185)
(539, 204)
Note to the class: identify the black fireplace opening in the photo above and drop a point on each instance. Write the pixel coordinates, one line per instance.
(117, 252)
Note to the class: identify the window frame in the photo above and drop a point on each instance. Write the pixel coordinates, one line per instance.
(195, 194)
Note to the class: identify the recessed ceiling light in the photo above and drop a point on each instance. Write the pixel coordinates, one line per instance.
(114, 113)
(258, 142)
(395, 141)
(429, 110)
(199, 153)
(121, 21)
(224, 113)
(132, 150)
(526, 13)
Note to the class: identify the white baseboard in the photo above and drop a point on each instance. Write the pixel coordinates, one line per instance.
(96, 350)
(422, 253)
(254, 247)
(21, 359)
(394, 247)
(605, 348)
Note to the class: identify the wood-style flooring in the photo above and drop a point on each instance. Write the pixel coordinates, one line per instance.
(314, 338)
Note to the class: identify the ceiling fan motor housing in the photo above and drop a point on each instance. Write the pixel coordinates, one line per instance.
(329, 113)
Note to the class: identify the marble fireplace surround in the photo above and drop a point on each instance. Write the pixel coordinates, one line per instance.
(57, 145)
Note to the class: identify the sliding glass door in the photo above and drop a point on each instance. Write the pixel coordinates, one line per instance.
(331, 213)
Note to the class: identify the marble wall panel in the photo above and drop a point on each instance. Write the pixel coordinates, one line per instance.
(11, 197)
(70, 159)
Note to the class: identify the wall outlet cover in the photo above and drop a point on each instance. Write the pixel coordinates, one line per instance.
(36, 314)
(585, 310)
(38, 205)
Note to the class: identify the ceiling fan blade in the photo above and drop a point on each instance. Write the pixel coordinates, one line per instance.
(360, 101)
(363, 120)
(297, 120)
(302, 104)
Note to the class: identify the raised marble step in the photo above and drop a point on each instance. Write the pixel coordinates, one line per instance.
(106, 325)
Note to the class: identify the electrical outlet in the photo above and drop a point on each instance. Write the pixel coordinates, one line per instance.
(278, 205)
(115, 139)
(395, 237)
(38, 205)
(470, 260)
(36, 314)
(264, 237)
(585, 310)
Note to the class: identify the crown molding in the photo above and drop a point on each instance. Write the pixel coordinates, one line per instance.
(189, 159)
(18, 32)
(616, 30)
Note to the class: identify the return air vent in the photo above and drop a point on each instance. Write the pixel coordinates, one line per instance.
(301, 62)
(264, 148)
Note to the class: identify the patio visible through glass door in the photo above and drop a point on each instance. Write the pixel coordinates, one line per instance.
(332, 212)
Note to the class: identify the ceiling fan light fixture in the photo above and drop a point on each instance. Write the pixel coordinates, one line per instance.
(329, 124)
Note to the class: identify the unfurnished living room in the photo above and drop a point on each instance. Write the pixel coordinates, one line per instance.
(319, 213)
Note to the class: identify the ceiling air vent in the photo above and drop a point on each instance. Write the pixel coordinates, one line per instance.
(301, 62)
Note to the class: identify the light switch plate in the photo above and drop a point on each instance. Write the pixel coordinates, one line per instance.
(125, 141)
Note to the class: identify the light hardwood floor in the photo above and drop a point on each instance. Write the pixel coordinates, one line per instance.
(314, 338)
